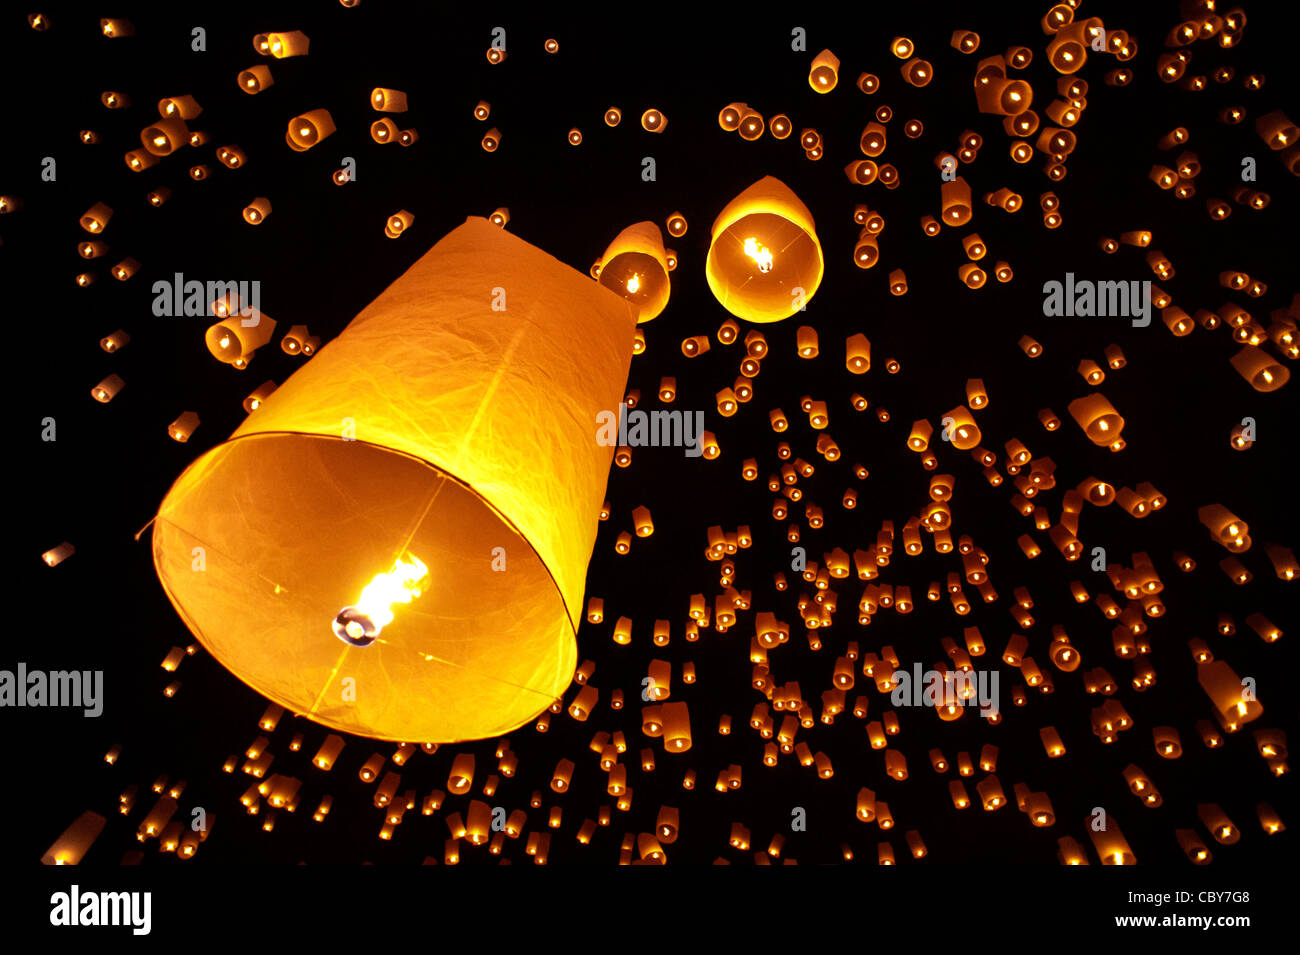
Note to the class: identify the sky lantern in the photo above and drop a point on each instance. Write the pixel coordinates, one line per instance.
(636, 267)
(825, 72)
(95, 219)
(765, 261)
(955, 201)
(75, 841)
(387, 100)
(396, 543)
(165, 136)
(1111, 846)
(1225, 690)
(235, 338)
(1099, 420)
(257, 210)
(306, 130)
(289, 43)
(255, 79)
(1260, 369)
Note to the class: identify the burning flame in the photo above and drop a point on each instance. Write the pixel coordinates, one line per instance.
(373, 611)
(633, 284)
(398, 585)
(760, 254)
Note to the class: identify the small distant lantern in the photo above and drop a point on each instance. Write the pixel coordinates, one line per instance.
(257, 210)
(824, 74)
(255, 79)
(310, 128)
(654, 121)
(292, 43)
(183, 427)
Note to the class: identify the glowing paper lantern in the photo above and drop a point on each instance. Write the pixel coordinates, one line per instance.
(765, 260)
(636, 267)
(1260, 369)
(254, 400)
(964, 432)
(95, 219)
(917, 72)
(307, 130)
(387, 100)
(186, 107)
(257, 210)
(1217, 822)
(806, 342)
(1225, 527)
(165, 136)
(857, 356)
(291, 43)
(235, 338)
(867, 251)
(184, 426)
(107, 389)
(955, 201)
(398, 223)
(751, 126)
(75, 841)
(825, 72)
(232, 157)
(125, 269)
(57, 555)
(255, 79)
(1099, 420)
(332, 496)
(654, 121)
(1225, 690)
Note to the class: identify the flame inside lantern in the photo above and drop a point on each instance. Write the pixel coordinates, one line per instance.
(360, 624)
(761, 255)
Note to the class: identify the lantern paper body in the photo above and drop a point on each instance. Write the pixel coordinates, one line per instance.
(474, 429)
(764, 248)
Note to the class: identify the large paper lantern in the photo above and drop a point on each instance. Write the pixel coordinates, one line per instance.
(765, 261)
(395, 543)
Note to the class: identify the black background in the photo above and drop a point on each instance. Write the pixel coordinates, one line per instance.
(321, 256)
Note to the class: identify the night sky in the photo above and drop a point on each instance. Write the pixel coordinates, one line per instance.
(321, 256)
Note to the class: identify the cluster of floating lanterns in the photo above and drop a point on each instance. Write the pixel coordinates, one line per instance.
(764, 263)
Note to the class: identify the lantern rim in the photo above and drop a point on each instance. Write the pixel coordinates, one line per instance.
(365, 645)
